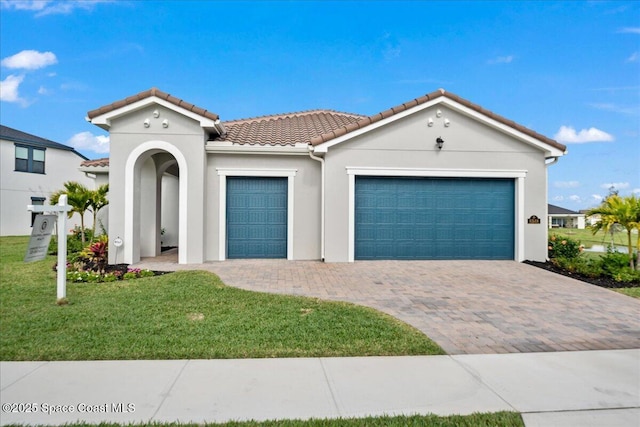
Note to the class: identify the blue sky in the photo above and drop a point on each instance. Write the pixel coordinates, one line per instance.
(569, 70)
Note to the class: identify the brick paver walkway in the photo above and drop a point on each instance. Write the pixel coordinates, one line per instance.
(467, 307)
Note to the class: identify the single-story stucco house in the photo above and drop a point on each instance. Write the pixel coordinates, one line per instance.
(437, 177)
(31, 169)
(559, 217)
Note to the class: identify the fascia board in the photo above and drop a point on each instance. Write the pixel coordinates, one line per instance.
(549, 150)
(324, 147)
(104, 120)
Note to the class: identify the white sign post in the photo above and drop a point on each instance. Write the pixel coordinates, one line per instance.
(61, 209)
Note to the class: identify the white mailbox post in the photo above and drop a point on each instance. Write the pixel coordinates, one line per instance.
(61, 210)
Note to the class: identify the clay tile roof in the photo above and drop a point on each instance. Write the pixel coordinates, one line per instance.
(335, 133)
(96, 163)
(286, 129)
(147, 94)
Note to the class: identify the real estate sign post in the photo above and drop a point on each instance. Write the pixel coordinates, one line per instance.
(41, 235)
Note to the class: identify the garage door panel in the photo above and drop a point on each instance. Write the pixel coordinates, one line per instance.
(434, 218)
(256, 217)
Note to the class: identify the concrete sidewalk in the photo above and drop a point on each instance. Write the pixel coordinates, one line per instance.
(586, 388)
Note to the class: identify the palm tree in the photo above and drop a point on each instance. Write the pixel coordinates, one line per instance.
(97, 201)
(624, 211)
(78, 197)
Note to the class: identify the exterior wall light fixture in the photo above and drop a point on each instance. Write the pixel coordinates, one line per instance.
(439, 142)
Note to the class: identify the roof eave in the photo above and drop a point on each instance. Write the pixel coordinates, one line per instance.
(550, 148)
(104, 120)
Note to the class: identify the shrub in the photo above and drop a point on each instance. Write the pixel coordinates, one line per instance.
(563, 247)
(129, 275)
(614, 262)
(147, 273)
(74, 241)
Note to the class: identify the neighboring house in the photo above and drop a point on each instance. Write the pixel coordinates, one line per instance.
(32, 168)
(435, 178)
(564, 218)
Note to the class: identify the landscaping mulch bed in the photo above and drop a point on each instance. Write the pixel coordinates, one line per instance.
(604, 281)
(123, 268)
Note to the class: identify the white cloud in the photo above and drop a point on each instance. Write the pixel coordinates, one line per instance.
(25, 4)
(9, 88)
(49, 7)
(502, 60)
(631, 110)
(596, 198)
(558, 198)
(631, 30)
(566, 184)
(635, 191)
(616, 185)
(634, 57)
(567, 134)
(89, 141)
(44, 91)
(30, 60)
(575, 198)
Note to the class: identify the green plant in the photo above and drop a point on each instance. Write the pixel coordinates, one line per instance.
(78, 197)
(623, 211)
(627, 275)
(563, 247)
(613, 262)
(129, 275)
(147, 273)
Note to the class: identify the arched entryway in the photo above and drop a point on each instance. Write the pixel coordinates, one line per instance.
(155, 170)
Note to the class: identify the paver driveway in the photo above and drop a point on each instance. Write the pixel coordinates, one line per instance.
(468, 307)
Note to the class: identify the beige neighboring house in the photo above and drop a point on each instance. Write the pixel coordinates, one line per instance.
(437, 177)
(31, 169)
(565, 218)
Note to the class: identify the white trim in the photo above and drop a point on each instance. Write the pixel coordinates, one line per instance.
(104, 120)
(129, 197)
(518, 175)
(455, 173)
(552, 151)
(222, 202)
(519, 219)
(256, 172)
(230, 148)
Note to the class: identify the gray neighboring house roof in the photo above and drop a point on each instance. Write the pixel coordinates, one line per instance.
(14, 135)
(557, 210)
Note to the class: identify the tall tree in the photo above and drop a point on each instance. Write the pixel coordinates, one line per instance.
(97, 201)
(78, 197)
(624, 211)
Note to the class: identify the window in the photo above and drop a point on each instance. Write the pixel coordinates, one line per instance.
(36, 201)
(29, 159)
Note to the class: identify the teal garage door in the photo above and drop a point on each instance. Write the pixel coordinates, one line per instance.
(434, 218)
(256, 217)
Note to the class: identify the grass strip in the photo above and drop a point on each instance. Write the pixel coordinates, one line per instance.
(496, 419)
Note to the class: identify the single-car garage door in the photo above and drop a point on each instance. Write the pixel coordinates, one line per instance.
(434, 218)
(256, 217)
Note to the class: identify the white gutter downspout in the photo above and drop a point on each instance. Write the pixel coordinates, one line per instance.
(321, 160)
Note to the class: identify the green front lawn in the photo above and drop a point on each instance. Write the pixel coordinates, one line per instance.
(588, 239)
(497, 419)
(183, 315)
(632, 292)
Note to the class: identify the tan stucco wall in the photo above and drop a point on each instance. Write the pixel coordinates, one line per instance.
(410, 143)
(306, 235)
(185, 137)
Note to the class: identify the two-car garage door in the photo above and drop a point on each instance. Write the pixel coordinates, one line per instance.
(434, 218)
